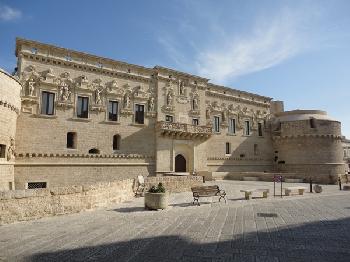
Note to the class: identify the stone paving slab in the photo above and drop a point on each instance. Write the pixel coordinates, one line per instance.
(312, 227)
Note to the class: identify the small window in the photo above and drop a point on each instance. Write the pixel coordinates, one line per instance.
(83, 107)
(94, 151)
(139, 114)
(312, 123)
(34, 185)
(2, 151)
(260, 132)
(228, 148)
(47, 103)
(256, 149)
(247, 128)
(242, 155)
(113, 111)
(71, 140)
(116, 142)
(169, 118)
(216, 124)
(195, 121)
(232, 126)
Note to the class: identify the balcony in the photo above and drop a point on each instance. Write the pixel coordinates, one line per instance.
(184, 131)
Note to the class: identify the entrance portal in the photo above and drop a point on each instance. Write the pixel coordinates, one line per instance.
(180, 163)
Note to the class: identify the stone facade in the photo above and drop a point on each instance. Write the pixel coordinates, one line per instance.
(346, 148)
(10, 105)
(85, 118)
(308, 142)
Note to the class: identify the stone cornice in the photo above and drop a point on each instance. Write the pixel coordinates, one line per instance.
(330, 136)
(55, 61)
(93, 58)
(238, 92)
(179, 73)
(72, 155)
(237, 99)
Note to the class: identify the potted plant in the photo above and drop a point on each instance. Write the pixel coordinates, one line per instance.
(156, 198)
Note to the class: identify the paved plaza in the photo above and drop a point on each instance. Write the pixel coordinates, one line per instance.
(312, 227)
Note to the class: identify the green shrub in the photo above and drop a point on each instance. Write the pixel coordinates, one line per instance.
(157, 189)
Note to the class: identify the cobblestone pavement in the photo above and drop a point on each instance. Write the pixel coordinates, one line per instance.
(312, 227)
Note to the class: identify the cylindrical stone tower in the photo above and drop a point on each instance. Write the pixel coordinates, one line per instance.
(10, 104)
(308, 143)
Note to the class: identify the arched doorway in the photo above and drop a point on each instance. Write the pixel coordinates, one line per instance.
(180, 163)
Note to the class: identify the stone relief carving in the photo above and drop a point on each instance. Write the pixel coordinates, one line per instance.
(31, 87)
(82, 82)
(140, 93)
(11, 149)
(182, 88)
(151, 104)
(127, 102)
(113, 88)
(64, 92)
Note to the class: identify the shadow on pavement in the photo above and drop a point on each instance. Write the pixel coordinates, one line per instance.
(319, 241)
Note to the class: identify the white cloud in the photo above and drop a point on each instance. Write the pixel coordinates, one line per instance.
(9, 14)
(269, 41)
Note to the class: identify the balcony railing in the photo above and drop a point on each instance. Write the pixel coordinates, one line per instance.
(183, 130)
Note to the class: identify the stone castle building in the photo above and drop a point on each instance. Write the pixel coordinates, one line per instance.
(68, 118)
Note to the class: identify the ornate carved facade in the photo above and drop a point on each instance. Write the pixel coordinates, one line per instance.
(82, 114)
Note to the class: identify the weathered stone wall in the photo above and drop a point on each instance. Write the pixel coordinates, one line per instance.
(175, 183)
(22, 205)
(9, 108)
(77, 169)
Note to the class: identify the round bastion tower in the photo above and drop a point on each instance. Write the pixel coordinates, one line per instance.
(308, 143)
(10, 104)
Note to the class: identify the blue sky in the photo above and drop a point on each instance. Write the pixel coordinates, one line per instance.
(295, 51)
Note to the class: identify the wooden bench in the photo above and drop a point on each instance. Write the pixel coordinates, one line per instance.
(207, 191)
(289, 190)
(249, 192)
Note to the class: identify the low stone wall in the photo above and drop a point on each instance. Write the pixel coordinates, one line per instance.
(175, 183)
(21, 205)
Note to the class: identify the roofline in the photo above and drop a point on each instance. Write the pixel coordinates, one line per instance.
(21, 41)
(157, 67)
(240, 91)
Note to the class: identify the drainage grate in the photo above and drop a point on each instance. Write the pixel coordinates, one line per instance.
(33, 185)
(267, 214)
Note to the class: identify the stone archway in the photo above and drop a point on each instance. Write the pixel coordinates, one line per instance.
(180, 163)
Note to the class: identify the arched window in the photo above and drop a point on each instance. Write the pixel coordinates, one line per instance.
(116, 142)
(94, 151)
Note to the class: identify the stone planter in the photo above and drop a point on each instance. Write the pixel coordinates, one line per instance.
(317, 188)
(156, 201)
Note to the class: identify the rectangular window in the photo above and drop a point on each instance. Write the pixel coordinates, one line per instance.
(113, 111)
(232, 126)
(33, 185)
(216, 124)
(2, 151)
(83, 107)
(256, 150)
(47, 103)
(71, 140)
(139, 114)
(260, 132)
(247, 128)
(228, 148)
(169, 118)
(195, 121)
